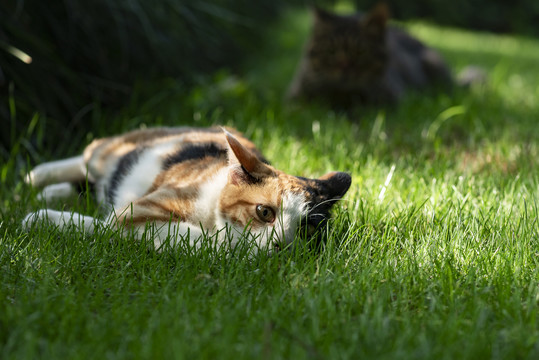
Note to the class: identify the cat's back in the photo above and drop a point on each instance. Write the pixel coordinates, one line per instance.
(103, 154)
(412, 63)
(127, 166)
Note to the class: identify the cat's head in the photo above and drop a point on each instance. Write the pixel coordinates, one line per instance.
(348, 49)
(273, 205)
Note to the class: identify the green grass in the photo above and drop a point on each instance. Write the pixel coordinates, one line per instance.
(433, 254)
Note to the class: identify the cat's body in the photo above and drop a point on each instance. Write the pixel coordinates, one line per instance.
(190, 182)
(359, 59)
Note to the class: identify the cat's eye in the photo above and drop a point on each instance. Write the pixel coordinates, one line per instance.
(265, 213)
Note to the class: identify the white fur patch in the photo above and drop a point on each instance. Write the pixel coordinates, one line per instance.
(175, 232)
(63, 219)
(207, 205)
(141, 176)
(57, 191)
(293, 208)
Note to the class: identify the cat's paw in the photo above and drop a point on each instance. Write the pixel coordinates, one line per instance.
(56, 191)
(37, 176)
(36, 217)
(70, 170)
(29, 178)
(40, 176)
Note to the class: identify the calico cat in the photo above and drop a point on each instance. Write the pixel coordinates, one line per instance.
(191, 182)
(359, 59)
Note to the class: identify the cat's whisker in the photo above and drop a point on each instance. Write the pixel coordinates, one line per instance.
(329, 201)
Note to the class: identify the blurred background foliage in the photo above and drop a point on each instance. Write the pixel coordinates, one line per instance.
(501, 16)
(88, 55)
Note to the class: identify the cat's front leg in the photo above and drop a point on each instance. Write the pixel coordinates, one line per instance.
(63, 219)
(166, 213)
(173, 233)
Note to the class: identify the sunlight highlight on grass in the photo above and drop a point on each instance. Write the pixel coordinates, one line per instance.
(19, 54)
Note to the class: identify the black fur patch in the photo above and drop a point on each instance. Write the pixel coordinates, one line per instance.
(194, 152)
(124, 165)
(323, 194)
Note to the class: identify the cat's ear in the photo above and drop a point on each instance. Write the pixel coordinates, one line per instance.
(246, 166)
(335, 184)
(375, 22)
(321, 17)
(319, 13)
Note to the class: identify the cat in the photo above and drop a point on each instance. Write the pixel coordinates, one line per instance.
(359, 59)
(189, 182)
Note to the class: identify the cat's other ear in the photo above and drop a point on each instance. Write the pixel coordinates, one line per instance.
(336, 184)
(320, 15)
(375, 22)
(246, 166)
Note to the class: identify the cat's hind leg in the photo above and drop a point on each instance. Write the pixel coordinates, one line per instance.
(67, 170)
(57, 191)
(63, 219)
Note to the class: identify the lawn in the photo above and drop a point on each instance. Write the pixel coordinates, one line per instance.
(434, 252)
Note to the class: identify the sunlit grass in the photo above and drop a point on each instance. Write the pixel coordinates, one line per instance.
(432, 253)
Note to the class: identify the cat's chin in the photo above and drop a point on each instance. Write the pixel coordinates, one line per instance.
(266, 240)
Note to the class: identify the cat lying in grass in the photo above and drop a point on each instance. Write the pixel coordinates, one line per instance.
(359, 59)
(189, 182)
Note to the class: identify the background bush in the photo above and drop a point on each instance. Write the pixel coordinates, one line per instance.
(517, 16)
(92, 52)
